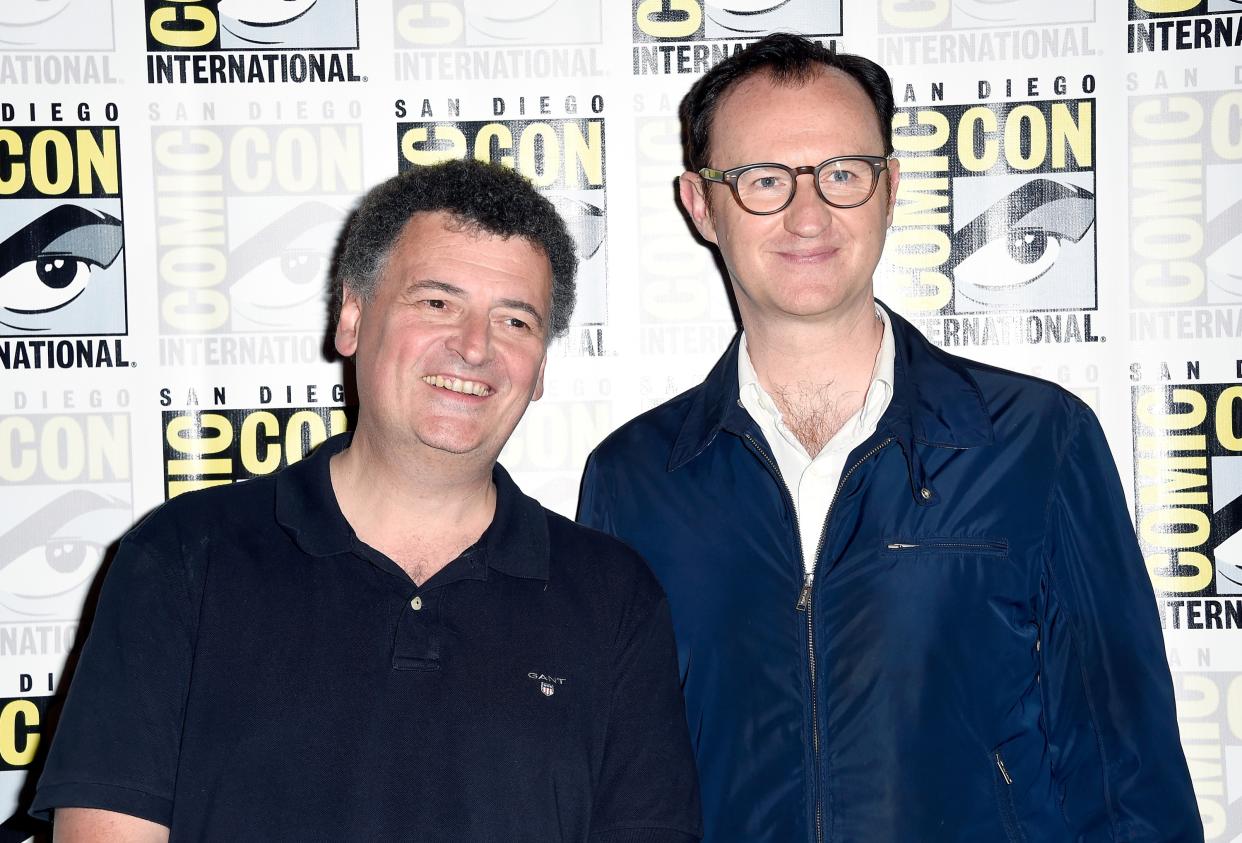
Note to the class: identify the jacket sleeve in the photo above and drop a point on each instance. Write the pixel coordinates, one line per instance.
(1108, 696)
(117, 743)
(594, 509)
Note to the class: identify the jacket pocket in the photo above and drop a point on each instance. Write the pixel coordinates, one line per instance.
(1003, 787)
(970, 545)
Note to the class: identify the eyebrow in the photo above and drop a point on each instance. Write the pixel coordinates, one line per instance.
(43, 523)
(28, 242)
(454, 290)
(275, 237)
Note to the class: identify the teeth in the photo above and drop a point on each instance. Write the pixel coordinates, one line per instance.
(457, 385)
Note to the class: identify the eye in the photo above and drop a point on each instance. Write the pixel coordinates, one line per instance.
(762, 180)
(47, 283)
(279, 270)
(514, 322)
(301, 265)
(59, 549)
(1014, 259)
(435, 304)
(1019, 240)
(49, 262)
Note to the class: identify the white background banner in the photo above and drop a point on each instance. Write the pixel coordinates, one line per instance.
(173, 176)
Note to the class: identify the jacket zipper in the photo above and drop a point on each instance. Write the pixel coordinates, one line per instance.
(804, 602)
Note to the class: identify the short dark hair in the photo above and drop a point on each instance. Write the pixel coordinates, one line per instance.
(481, 197)
(787, 59)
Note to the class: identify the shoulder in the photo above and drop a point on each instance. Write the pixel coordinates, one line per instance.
(651, 433)
(598, 561)
(1025, 407)
(205, 514)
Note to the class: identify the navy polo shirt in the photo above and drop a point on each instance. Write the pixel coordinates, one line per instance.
(256, 672)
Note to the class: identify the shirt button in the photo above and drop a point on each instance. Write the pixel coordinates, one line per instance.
(926, 493)
(417, 603)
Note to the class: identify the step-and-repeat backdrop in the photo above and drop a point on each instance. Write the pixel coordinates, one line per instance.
(173, 175)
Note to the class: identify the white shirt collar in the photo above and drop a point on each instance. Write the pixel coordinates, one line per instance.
(879, 393)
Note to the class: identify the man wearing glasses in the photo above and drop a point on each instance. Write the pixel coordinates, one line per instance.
(908, 599)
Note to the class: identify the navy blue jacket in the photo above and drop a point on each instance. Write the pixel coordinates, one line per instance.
(979, 656)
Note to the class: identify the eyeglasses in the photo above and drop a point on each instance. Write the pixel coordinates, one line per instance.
(845, 182)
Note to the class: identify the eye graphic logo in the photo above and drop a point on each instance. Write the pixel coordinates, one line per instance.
(982, 14)
(251, 24)
(56, 25)
(264, 24)
(1223, 234)
(60, 272)
(496, 23)
(49, 557)
(698, 20)
(1027, 250)
(65, 484)
(279, 267)
(1147, 9)
(1227, 521)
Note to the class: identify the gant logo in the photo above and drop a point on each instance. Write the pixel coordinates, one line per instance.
(547, 684)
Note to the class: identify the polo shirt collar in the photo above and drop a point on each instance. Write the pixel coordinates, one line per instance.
(515, 543)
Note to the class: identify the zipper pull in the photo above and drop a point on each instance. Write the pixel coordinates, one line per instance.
(1000, 765)
(804, 597)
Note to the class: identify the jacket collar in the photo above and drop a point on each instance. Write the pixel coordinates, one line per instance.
(515, 543)
(935, 401)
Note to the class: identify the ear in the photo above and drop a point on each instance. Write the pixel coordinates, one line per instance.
(538, 393)
(348, 325)
(693, 192)
(894, 178)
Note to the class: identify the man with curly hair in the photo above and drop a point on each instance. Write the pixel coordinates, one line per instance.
(388, 640)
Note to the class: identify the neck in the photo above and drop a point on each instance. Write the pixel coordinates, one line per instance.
(818, 373)
(420, 513)
(841, 351)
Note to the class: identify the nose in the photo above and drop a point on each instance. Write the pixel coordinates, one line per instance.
(471, 339)
(807, 215)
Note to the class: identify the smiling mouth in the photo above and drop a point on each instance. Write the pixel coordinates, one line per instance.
(458, 385)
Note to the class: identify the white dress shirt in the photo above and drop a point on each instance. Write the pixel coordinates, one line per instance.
(813, 482)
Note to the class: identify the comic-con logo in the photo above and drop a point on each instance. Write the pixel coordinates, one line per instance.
(62, 271)
(221, 446)
(905, 15)
(245, 221)
(1209, 717)
(683, 308)
(65, 490)
(1188, 486)
(1160, 25)
(691, 36)
(564, 158)
(251, 24)
(56, 25)
(276, 40)
(996, 215)
(1185, 214)
(495, 23)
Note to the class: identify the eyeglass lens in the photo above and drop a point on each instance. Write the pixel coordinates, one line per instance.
(845, 182)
